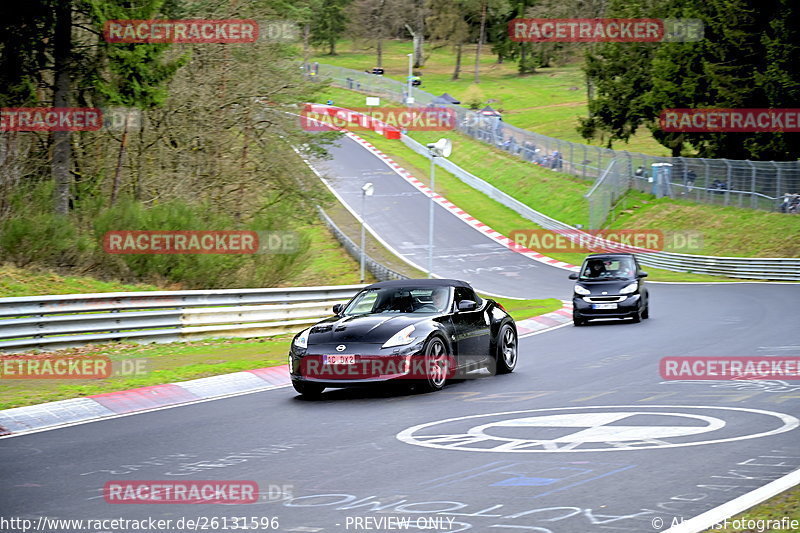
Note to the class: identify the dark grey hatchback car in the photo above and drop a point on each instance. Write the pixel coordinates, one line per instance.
(609, 286)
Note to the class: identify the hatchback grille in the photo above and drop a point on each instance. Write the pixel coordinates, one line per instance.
(604, 299)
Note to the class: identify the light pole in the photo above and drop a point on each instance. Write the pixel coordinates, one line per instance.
(366, 190)
(441, 148)
(409, 98)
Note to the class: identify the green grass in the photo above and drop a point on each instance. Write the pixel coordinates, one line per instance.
(786, 504)
(548, 102)
(522, 309)
(163, 363)
(24, 282)
(326, 263)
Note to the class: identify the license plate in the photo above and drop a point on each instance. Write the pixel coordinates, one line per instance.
(604, 306)
(344, 359)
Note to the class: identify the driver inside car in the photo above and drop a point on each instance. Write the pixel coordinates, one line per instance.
(437, 303)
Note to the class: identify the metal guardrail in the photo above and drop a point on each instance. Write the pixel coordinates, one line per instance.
(63, 321)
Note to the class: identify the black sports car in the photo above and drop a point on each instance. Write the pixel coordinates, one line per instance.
(610, 286)
(424, 330)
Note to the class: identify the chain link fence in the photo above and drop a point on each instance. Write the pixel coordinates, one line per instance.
(741, 183)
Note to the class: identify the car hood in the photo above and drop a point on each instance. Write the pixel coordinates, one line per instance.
(361, 328)
(608, 286)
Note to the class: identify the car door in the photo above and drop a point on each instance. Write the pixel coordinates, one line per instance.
(471, 328)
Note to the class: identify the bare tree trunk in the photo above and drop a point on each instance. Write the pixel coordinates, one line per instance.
(379, 25)
(123, 147)
(457, 70)
(480, 42)
(419, 36)
(306, 37)
(62, 149)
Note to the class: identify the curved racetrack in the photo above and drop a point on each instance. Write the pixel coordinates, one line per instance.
(584, 437)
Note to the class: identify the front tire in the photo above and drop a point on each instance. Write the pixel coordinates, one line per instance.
(311, 391)
(436, 365)
(646, 313)
(506, 356)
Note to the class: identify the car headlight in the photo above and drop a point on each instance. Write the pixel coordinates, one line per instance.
(301, 341)
(580, 289)
(629, 288)
(401, 338)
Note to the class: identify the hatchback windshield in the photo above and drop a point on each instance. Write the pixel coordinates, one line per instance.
(604, 268)
(393, 300)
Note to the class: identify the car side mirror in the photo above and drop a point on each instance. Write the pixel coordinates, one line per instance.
(574, 275)
(642, 274)
(467, 305)
(337, 309)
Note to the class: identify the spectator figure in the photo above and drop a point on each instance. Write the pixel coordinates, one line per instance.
(640, 172)
(691, 177)
(784, 207)
(557, 163)
(718, 186)
(791, 203)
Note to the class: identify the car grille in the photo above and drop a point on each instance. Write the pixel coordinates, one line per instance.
(604, 299)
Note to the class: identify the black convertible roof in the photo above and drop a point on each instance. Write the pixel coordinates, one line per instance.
(420, 283)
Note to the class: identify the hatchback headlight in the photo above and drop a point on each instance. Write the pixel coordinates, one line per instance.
(401, 338)
(583, 291)
(629, 288)
(301, 341)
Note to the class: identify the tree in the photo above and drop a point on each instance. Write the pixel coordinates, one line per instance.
(446, 23)
(137, 74)
(62, 140)
(744, 61)
(487, 8)
(329, 23)
(374, 20)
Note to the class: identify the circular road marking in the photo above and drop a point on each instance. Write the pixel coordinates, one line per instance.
(594, 429)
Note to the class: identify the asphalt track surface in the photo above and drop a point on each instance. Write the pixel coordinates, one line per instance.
(585, 436)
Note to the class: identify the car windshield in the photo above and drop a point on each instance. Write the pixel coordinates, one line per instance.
(395, 300)
(608, 269)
